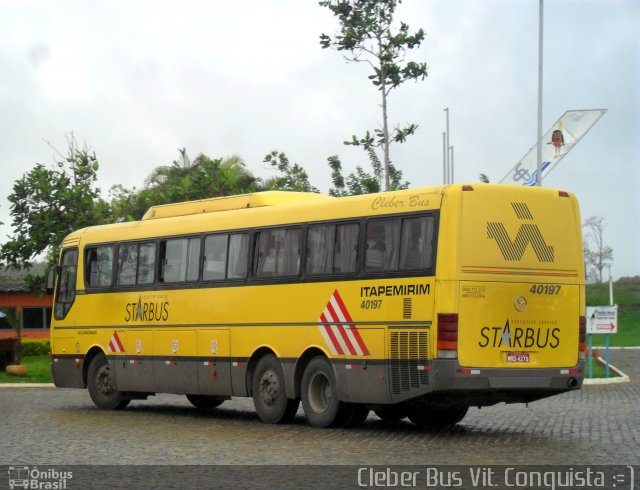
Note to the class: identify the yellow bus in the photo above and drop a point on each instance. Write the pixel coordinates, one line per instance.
(417, 303)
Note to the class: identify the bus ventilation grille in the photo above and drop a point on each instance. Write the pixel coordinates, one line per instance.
(408, 359)
(407, 307)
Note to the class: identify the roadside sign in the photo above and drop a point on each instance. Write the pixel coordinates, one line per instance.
(602, 319)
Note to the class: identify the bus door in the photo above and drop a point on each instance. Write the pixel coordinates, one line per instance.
(66, 366)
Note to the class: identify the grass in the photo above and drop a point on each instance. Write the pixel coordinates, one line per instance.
(38, 371)
(627, 297)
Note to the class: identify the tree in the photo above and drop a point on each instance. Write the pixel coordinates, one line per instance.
(291, 178)
(597, 255)
(360, 182)
(184, 180)
(49, 203)
(367, 35)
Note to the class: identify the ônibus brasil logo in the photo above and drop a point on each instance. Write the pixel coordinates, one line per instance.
(26, 477)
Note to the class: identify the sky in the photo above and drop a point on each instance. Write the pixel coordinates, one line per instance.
(136, 80)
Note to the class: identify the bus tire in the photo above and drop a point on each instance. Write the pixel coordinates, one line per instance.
(429, 417)
(101, 387)
(269, 393)
(320, 395)
(206, 402)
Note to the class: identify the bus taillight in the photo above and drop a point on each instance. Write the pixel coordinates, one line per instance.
(447, 335)
(582, 336)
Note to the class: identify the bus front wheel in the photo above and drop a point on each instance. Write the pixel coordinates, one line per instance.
(101, 386)
(269, 393)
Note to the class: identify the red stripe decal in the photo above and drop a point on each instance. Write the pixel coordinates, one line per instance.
(344, 335)
(117, 339)
(329, 330)
(354, 329)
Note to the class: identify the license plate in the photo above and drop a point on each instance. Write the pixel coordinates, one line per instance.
(517, 357)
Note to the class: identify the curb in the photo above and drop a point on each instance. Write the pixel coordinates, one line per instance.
(27, 385)
(620, 378)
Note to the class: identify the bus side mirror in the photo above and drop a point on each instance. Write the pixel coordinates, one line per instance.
(51, 279)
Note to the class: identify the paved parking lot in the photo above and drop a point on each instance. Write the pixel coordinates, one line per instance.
(596, 425)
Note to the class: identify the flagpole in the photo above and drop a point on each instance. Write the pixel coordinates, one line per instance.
(448, 181)
(444, 158)
(539, 138)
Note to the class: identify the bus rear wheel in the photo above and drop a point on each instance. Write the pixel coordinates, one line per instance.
(101, 386)
(269, 393)
(320, 395)
(432, 417)
(206, 402)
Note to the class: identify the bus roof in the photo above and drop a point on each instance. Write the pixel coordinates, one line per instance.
(274, 207)
(229, 203)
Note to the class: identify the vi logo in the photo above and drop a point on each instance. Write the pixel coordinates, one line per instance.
(528, 233)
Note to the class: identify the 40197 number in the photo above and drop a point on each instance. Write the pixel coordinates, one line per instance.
(550, 289)
(371, 304)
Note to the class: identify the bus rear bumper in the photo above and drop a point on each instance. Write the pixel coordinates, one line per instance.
(516, 385)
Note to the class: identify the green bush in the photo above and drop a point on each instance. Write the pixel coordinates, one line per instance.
(35, 347)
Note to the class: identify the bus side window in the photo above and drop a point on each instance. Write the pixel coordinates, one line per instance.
(146, 263)
(278, 253)
(127, 264)
(346, 248)
(416, 245)
(268, 247)
(238, 256)
(320, 240)
(99, 267)
(215, 257)
(225, 257)
(66, 293)
(332, 248)
(179, 260)
(383, 237)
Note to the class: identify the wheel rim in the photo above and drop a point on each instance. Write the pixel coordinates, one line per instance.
(269, 387)
(103, 380)
(320, 392)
